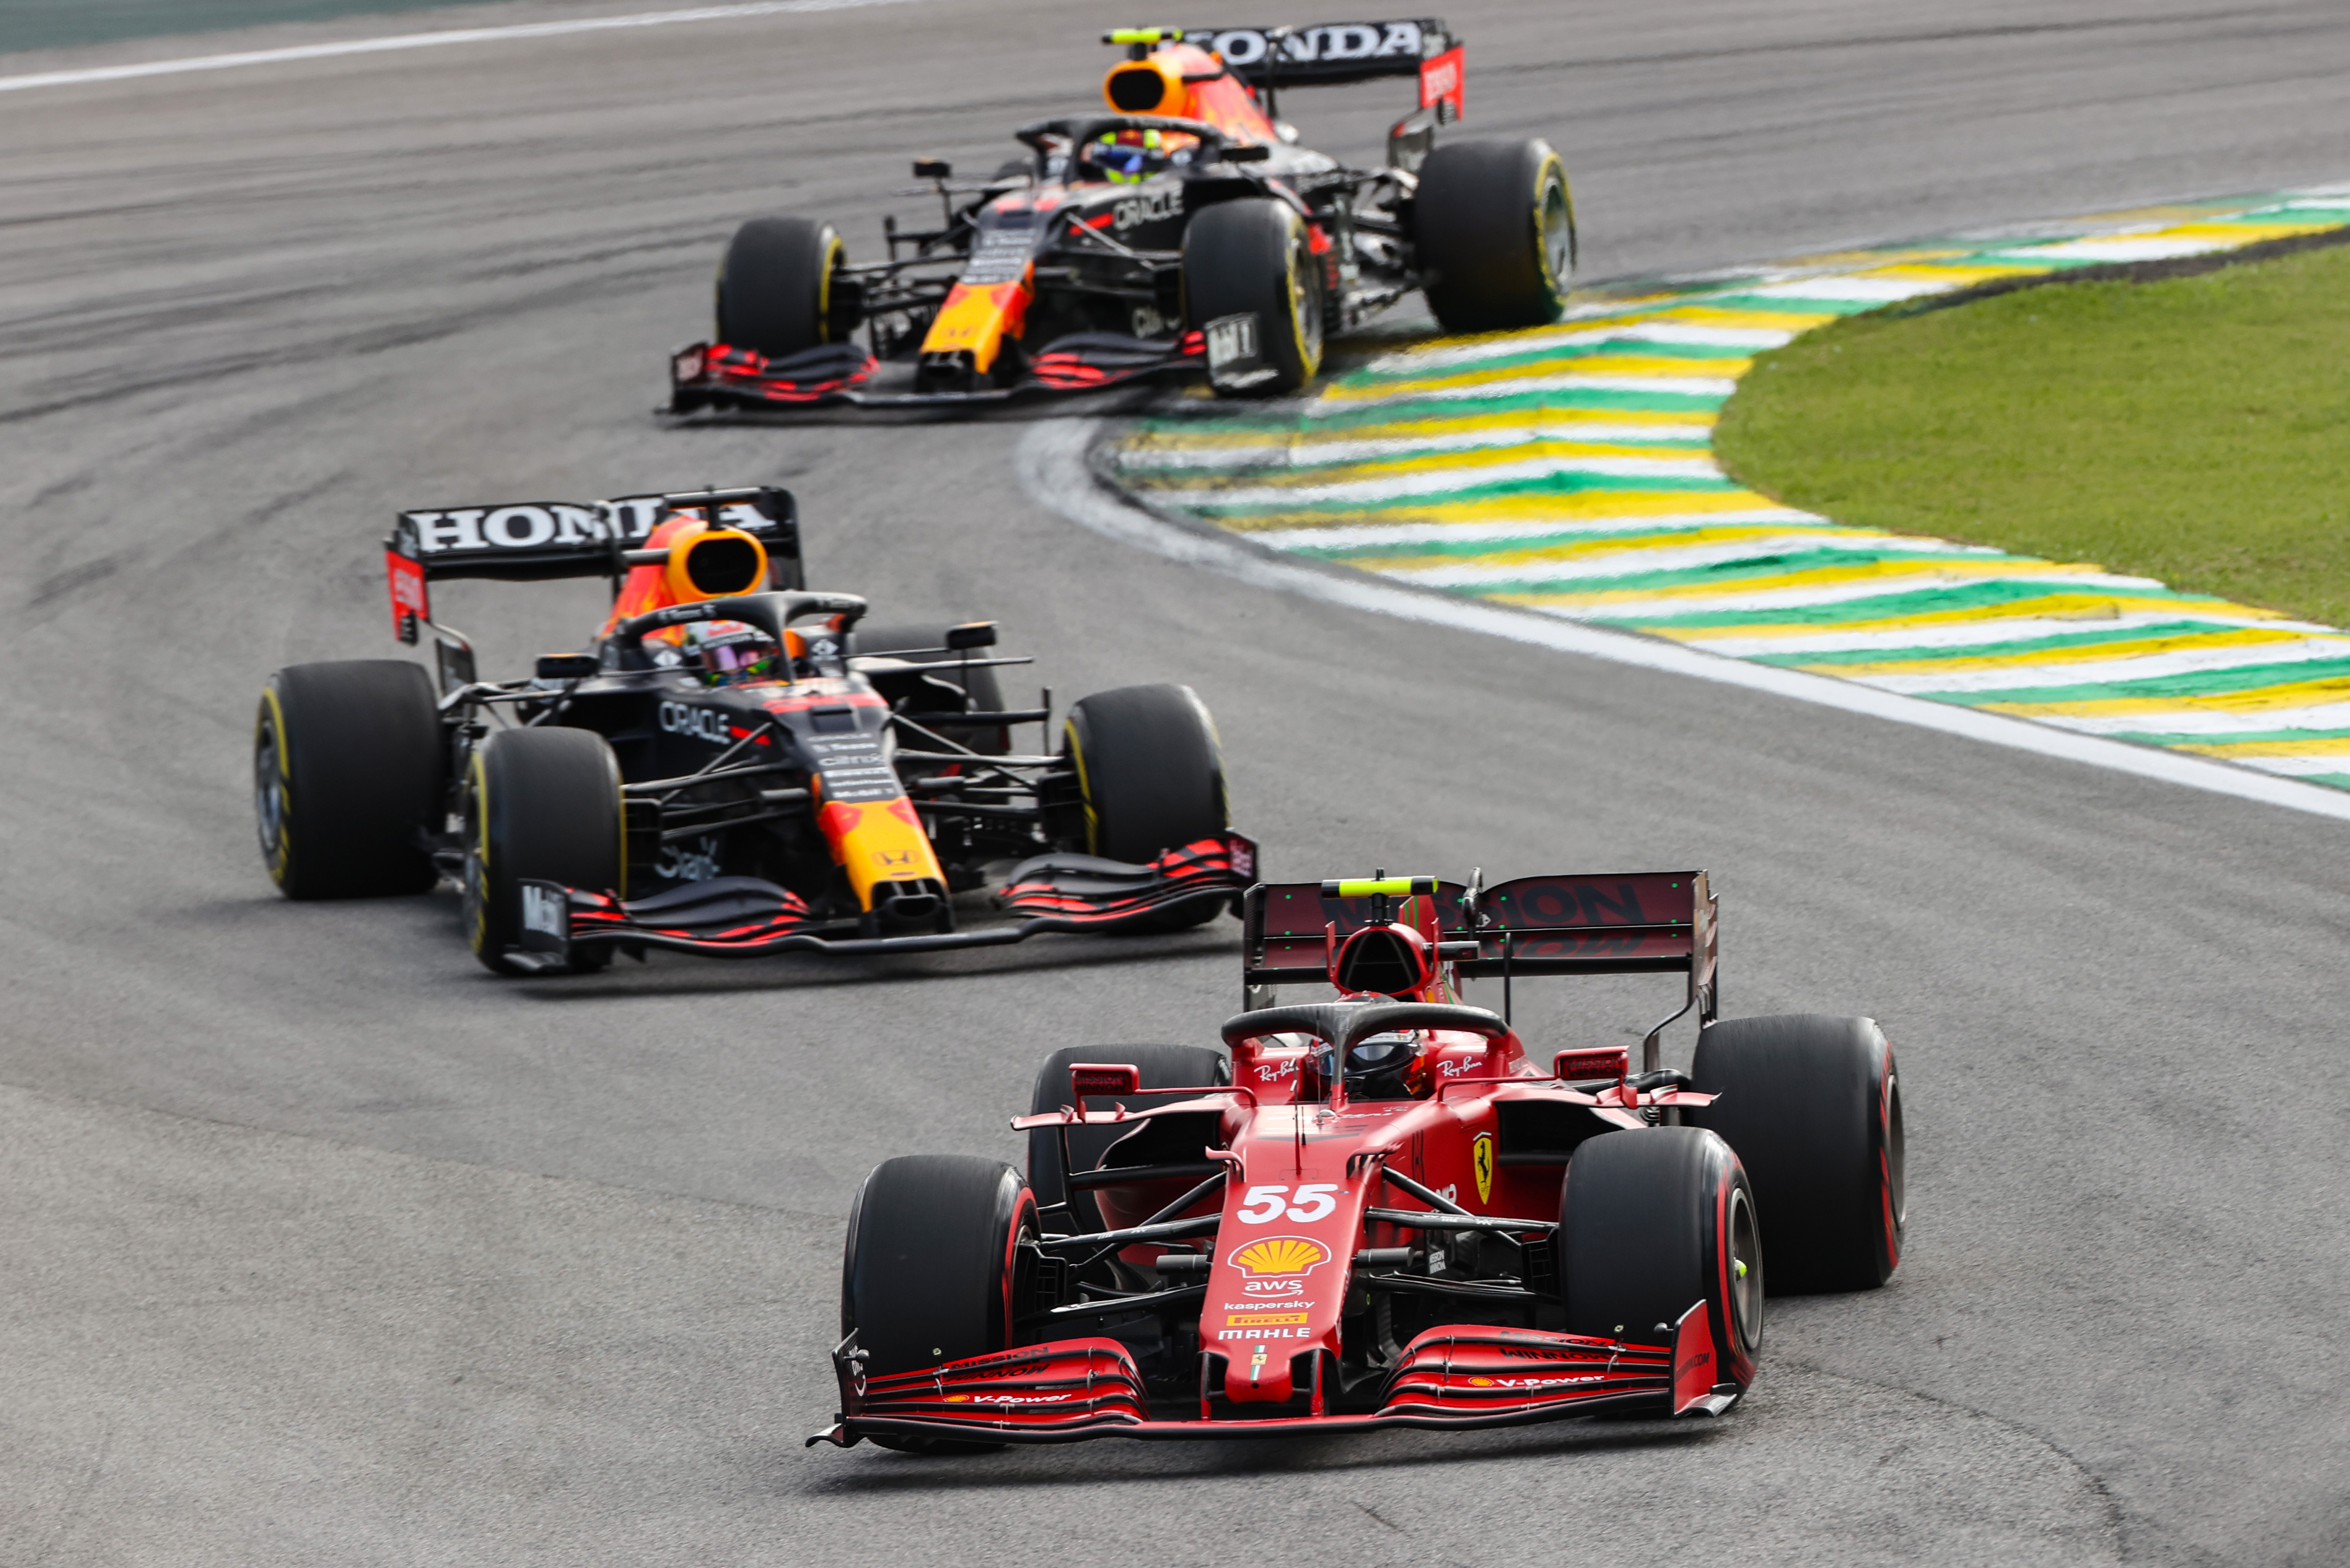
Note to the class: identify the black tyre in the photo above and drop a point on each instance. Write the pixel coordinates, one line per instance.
(980, 690)
(541, 805)
(1255, 256)
(350, 772)
(1652, 1221)
(1494, 225)
(1149, 770)
(776, 283)
(1163, 1067)
(928, 1273)
(1813, 1106)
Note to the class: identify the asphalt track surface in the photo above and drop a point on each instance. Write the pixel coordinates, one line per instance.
(323, 1246)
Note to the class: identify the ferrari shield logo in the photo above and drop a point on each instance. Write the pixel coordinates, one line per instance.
(1481, 1161)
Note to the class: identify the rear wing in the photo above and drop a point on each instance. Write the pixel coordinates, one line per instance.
(1651, 922)
(528, 542)
(1329, 54)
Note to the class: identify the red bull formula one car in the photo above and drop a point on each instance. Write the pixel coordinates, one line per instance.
(1182, 231)
(1383, 1209)
(735, 767)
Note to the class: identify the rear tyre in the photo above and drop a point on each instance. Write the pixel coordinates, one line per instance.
(776, 283)
(1813, 1106)
(1255, 256)
(927, 1276)
(980, 689)
(1652, 1221)
(350, 773)
(540, 804)
(1163, 1067)
(1494, 225)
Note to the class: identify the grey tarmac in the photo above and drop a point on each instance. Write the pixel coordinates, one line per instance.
(324, 1246)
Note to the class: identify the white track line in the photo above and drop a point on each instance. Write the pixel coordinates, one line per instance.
(1052, 463)
(428, 41)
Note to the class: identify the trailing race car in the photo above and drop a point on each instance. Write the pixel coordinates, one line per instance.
(1377, 1210)
(738, 767)
(1182, 231)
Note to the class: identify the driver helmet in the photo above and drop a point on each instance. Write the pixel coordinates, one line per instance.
(1129, 157)
(1390, 1066)
(731, 652)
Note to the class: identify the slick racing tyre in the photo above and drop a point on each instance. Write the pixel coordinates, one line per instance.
(1652, 1221)
(1494, 225)
(349, 772)
(929, 1270)
(979, 691)
(1161, 1066)
(776, 283)
(1255, 256)
(1813, 1106)
(1152, 778)
(539, 805)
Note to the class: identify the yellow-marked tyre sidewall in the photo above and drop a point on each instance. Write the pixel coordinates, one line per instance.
(1077, 761)
(1551, 174)
(276, 824)
(1304, 283)
(478, 901)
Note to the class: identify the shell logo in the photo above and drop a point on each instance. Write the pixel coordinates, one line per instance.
(1275, 1255)
(1481, 1382)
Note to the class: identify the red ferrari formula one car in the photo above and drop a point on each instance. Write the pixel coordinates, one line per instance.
(1182, 231)
(1377, 1210)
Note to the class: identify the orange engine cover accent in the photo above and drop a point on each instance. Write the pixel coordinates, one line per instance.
(879, 841)
(977, 319)
(647, 587)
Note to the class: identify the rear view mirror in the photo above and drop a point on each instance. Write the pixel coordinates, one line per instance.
(565, 666)
(1250, 155)
(972, 634)
(1611, 1062)
(934, 169)
(1096, 1078)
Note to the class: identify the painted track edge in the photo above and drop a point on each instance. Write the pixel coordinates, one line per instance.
(1055, 464)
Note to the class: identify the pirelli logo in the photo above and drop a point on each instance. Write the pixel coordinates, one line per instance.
(1262, 1320)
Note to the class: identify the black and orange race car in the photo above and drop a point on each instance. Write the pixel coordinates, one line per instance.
(735, 766)
(1383, 1209)
(1182, 231)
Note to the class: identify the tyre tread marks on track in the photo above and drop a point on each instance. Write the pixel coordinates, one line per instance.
(1569, 470)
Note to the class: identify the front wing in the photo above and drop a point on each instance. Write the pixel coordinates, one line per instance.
(746, 917)
(717, 375)
(1460, 1376)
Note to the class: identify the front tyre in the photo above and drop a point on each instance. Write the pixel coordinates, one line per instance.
(1653, 1222)
(1813, 1106)
(350, 773)
(775, 285)
(1494, 224)
(928, 1275)
(539, 805)
(1254, 255)
(1150, 774)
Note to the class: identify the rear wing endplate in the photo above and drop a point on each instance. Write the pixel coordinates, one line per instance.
(533, 541)
(1651, 922)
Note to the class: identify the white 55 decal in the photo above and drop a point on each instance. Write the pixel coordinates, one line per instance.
(1264, 1205)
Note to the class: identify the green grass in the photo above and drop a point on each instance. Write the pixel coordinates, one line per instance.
(2196, 429)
